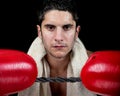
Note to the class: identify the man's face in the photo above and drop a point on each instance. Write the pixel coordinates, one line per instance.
(58, 32)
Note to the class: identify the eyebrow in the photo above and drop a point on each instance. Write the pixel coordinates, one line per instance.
(68, 25)
(62, 26)
(49, 25)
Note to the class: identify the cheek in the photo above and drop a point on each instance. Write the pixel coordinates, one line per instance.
(47, 35)
(71, 39)
(46, 40)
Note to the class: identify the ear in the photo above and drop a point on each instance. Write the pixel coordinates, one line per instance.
(77, 31)
(39, 31)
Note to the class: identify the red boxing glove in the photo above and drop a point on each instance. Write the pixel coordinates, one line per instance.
(18, 71)
(101, 73)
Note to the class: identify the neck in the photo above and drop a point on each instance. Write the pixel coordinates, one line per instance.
(58, 64)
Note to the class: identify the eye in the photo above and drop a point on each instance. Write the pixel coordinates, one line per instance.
(67, 27)
(50, 27)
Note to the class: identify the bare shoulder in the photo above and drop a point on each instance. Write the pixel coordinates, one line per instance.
(89, 52)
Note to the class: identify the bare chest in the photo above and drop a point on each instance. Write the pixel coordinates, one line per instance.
(58, 88)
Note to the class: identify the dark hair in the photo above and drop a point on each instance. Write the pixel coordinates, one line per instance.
(62, 5)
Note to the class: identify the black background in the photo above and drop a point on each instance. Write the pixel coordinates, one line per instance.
(99, 24)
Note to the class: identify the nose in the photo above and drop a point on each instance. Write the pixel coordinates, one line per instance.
(59, 34)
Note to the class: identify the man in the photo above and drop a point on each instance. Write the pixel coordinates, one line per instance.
(58, 51)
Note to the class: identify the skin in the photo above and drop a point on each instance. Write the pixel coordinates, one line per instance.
(58, 32)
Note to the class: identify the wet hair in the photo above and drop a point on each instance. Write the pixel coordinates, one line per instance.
(61, 5)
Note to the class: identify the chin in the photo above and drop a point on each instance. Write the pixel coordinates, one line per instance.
(59, 55)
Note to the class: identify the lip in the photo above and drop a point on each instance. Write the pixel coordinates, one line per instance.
(59, 47)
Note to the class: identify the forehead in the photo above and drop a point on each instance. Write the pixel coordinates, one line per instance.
(58, 17)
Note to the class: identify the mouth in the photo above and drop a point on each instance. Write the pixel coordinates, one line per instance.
(59, 47)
